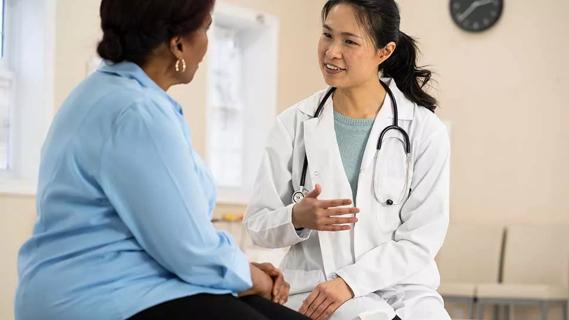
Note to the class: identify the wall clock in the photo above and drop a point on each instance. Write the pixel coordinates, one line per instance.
(476, 15)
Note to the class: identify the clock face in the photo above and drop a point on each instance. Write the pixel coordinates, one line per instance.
(476, 15)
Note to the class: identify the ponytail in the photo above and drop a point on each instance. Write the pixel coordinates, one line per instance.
(410, 79)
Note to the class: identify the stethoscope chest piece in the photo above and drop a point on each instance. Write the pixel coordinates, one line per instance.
(297, 196)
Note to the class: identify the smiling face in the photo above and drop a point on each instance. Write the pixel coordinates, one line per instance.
(347, 55)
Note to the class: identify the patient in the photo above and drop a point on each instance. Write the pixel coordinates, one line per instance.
(124, 201)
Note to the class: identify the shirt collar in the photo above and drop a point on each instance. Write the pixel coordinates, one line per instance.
(131, 70)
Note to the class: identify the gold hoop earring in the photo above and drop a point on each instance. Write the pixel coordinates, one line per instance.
(177, 65)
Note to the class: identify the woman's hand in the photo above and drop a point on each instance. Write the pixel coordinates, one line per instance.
(325, 299)
(262, 284)
(322, 215)
(281, 288)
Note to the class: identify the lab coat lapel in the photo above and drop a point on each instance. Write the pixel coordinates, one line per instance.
(325, 168)
(384, 118)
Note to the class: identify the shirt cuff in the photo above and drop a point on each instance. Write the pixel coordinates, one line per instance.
(300, 234)
(351, 283)
(240, 279)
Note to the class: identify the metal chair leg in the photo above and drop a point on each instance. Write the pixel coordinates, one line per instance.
(479, 310)
(511, 311)
(497, 310)
(472, 312)
(544, 310)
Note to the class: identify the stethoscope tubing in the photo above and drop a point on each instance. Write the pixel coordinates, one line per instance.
(299, 195)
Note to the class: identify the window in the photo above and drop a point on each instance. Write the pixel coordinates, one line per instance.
(226, 147)
(2, 6)
(242, 76)
(5, 81)
(26, 66)
(4, 120)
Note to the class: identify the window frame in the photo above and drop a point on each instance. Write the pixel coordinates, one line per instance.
(29, 60)
(262, 37)
(6, 80)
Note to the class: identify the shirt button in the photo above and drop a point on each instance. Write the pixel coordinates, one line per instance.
(316, 173)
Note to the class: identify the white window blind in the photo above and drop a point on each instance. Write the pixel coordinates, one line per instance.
(242, 89)
(26, 89)
(226, 125)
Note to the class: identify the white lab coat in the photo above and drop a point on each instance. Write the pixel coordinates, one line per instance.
(393, 247)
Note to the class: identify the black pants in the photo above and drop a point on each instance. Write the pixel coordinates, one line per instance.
(219, 307)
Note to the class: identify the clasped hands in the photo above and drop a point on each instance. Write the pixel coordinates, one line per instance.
(268, 282)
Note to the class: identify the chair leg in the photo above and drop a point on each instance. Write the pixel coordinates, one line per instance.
(479, 311)
(544, 310)
(564, 307)
(508, 311)
(497, 310)
(471, 309)
(511, 311)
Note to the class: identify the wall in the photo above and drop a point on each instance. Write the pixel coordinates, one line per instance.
(16, 220)
(501, 90)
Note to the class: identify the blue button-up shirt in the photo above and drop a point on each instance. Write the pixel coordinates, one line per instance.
(124, 207)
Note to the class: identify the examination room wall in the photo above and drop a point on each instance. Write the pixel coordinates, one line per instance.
(502, 92)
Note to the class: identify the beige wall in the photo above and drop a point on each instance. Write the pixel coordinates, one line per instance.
(16, 220)
(501, 90)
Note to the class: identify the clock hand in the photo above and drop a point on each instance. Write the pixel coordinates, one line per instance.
(473, 6)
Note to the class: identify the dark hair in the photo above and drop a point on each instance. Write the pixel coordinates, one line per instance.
(381, 18)
(132, 29)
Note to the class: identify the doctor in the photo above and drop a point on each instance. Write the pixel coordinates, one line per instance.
(375, 158)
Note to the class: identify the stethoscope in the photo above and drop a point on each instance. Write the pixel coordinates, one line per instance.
(298, 195)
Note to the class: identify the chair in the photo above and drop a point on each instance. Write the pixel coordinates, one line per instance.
(535, 270)
(470, 255)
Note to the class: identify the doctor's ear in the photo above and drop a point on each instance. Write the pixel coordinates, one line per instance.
(384, 53)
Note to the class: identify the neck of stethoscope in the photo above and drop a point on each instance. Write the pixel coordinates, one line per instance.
(393, 103)
(385, 87)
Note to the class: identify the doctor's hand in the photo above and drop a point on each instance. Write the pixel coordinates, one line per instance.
(262, 284)
(281, 288)
(322, 215)
(325, 299)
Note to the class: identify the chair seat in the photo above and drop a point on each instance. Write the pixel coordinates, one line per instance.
(521, 291)
(457, 289)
